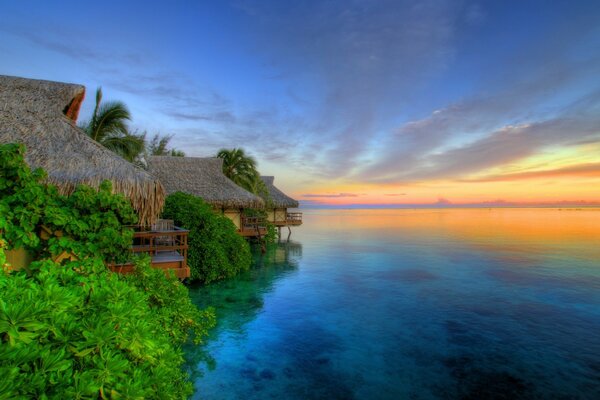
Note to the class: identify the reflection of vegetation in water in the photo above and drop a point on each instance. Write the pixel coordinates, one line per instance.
(279, 253)
(237, 301)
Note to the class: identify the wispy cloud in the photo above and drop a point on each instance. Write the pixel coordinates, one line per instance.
(53, 38)
(134, 72)
(337, 195)
(355, 89)
(363, 55)
(423, 149)
(223, 116)
(586, 170)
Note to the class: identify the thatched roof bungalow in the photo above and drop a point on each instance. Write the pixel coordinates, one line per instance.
(203, 177)
(277, 197)
(279, 202)
(42, 115)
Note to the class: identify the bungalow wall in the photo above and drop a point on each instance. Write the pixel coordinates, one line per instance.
(18, 258)
(235, 215)
(277, 216)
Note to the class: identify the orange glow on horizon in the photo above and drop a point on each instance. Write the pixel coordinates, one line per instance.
(565, 175)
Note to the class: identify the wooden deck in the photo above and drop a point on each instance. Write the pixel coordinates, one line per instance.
(292, 219)
(167, 249)
(252, 227)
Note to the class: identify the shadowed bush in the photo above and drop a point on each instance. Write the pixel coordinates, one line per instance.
(216, 251)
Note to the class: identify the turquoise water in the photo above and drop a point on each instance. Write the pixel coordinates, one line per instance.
(412, 304)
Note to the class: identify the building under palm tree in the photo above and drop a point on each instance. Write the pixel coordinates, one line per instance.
(278, 204)
(240, 168)
(203, 177)
(42, 115)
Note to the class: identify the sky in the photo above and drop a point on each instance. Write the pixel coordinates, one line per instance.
(348, 103)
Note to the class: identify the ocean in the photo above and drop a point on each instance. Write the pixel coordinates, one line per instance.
(412, 304)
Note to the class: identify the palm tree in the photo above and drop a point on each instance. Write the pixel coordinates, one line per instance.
(108, 126)
(241, 169)
(159, 146)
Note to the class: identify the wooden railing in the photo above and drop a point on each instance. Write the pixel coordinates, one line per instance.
(294, 218)
(168, 249)
(252, 226)
(146, 240)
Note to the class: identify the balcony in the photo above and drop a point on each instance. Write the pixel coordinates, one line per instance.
(294, 218)
(167, 246)
(287, 219)
(252, 227)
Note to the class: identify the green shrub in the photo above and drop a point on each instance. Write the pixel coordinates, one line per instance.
(271, 236)
(92, 222)
(77, 330)
(171, 303)
(216, 251)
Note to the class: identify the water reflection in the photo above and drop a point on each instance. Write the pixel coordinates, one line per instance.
(237, 301)
(431, 304)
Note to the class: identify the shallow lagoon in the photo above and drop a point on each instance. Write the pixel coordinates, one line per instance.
(415, 304)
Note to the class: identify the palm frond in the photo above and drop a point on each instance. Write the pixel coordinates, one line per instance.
(240, 168)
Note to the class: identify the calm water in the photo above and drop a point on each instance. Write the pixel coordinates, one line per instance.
(405, 304)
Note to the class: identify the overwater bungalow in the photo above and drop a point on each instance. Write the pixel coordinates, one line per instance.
(278, 205)
(203, 177)
(42, 115)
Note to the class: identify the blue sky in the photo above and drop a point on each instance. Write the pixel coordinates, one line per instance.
(424, 100)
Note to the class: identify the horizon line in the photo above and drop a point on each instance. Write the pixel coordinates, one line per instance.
(588, 205)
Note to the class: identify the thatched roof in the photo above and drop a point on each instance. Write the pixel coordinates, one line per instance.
(202, 177)
(278, 198)
(42, 115)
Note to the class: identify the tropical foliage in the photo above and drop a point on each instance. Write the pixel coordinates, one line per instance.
(77, 330)
(216, 250)
(271, 235)
(241, 169)
(87, 223)
(159, 146)
(108, 126)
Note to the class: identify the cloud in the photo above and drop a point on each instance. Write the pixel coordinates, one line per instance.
(577, 171)
(363, 56)
(53, 38)
(422, 149)
(395, 194)
(133, 72)
(223, 116)
(442, 202)
(357, 82)
(533, 86)
(338, 195)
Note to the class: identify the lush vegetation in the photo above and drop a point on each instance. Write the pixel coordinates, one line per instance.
(271, 236)
(241, 169)
(87, 223)
(216, 250)
(77, 330)
(109, 126)
(159, 146)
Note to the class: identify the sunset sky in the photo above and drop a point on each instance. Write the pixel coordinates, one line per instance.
(346, 102)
